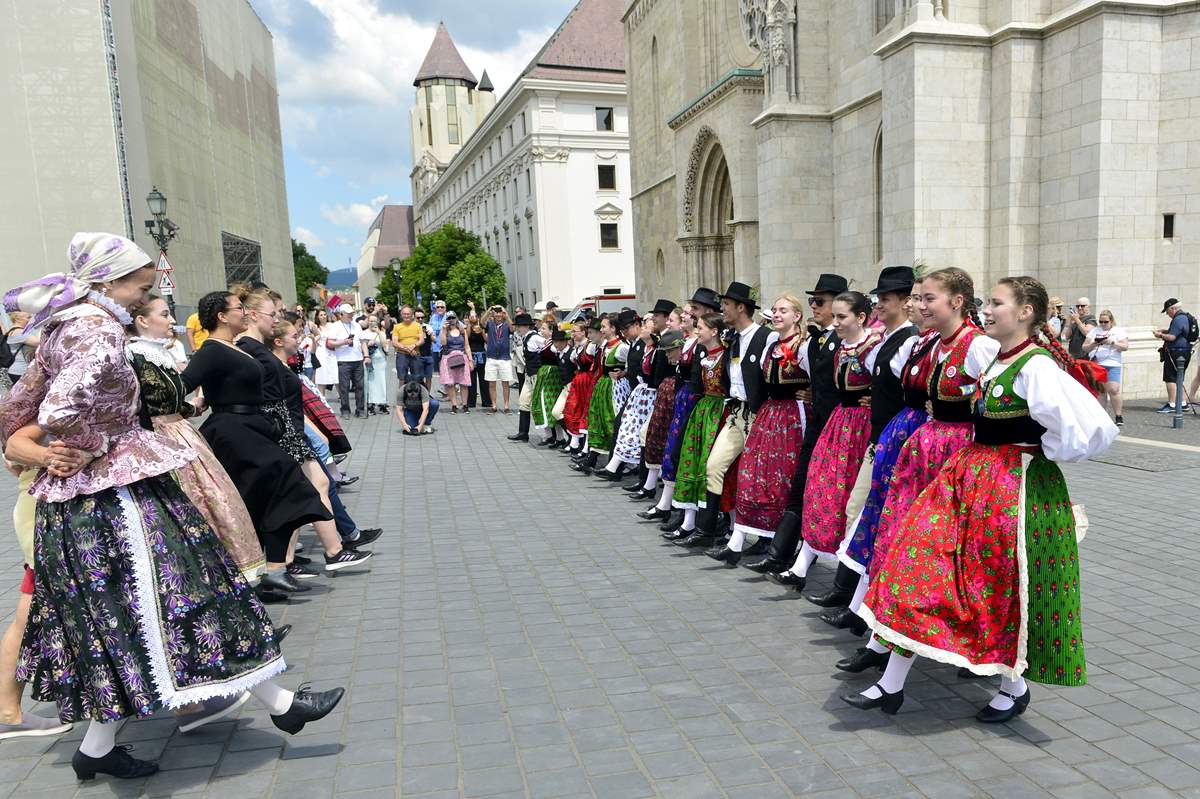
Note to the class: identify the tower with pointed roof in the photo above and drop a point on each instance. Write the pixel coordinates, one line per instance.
(449, 106)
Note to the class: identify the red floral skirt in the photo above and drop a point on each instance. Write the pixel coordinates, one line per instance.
(984, 570)
(767, 464)
(660, 422)
(920, 460)
(575, 414)
(834, 467)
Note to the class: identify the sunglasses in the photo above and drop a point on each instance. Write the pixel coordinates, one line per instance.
(816, 302)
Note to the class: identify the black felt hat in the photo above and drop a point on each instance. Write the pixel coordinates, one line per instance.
(626, 318)
(558, 335)
(830, 284)
(707, 297)
(895, 279)
(740, 292)
(663, 307)
(523, 320)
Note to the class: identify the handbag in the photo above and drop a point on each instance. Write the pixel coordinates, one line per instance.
(455, 358)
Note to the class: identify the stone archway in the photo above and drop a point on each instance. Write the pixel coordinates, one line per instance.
(707, 211)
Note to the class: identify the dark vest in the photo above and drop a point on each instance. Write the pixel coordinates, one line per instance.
(822, 353)
(533, 360)
(633, 363)
(887, 394)
(751, 363)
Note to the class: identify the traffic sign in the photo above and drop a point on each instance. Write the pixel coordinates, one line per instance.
(163, 264)
(166, 285)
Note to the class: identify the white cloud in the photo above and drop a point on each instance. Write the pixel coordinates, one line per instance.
(356, 215)
(342, 240)
(309, 238)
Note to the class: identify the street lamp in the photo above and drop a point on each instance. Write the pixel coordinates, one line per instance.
(161, 229)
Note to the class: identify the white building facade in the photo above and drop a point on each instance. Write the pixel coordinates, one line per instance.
(544, 181)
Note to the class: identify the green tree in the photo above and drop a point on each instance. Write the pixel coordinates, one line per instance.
(388, 291)
(432, 259)
(477, 278)
(309, 273)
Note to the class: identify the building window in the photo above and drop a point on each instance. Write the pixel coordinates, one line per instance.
(510, 136)
(531, 238)
(528, 184)
(243, 259)
(609, 239)
(507, 248)
(524, 130)
(606, 177)
(452, 114)
(879, 196)
(604, 119)
(514, 192)
(535, 296)
(885, 11)
(519, 250)
(1168, 226)
(429, 115)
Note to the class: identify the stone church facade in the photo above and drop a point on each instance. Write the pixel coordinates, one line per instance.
(776, 139)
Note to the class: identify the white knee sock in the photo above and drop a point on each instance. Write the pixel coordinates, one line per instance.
(1015, 687)
(893, 677)
(875, 645)
(737, 541)
(275, 699)
(575, 442)
(100, 738)
(860, 593)
(689, 519)
(803, 561)
(614, 463)
(664, 502)
(652, 477)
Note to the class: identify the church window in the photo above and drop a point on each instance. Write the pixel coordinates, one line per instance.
(452, 114)
(885, 11)
(606, 177)
(655, 89)
(507, 248)
(528, 184)
(531, 238)
(514, 191)
(1168, 226)
(660, 266)
(609, 238)
(604, 119)
(878, 226)
(519, 250)
(429, 115)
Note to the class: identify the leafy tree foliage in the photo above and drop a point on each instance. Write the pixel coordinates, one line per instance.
(454, 260)
(309, 273)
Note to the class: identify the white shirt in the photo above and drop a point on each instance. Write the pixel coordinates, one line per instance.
(1106, 354)
(873, 355)
(351, 330)
(742, 355)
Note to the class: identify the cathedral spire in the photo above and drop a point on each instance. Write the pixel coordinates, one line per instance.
(443, 61)
(485, 83)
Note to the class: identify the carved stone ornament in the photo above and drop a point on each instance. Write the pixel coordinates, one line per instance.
(549, 153)
(699, 147)
(753, 16)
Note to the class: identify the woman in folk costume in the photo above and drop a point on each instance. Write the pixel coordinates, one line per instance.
(769, 458)
(983, 570)
(704, 423)
(686, 395)
(548, 382)
(588, 368)
(165, 410)
(840, 450)
(608, 396)
(660, 372)
(568, 366)
(137, 605)
(628, 449)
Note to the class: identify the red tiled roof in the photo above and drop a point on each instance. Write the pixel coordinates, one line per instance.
(589, 45)
(443, 60)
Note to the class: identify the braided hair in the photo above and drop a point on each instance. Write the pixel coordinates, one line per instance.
(957, 281)
(1030, 291)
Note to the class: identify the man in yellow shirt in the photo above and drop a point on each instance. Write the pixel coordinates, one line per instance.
(195, 333)
(407, 337)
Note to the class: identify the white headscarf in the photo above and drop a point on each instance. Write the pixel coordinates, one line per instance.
(93, 258)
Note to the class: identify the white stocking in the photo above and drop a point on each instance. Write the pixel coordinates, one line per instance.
(893, 677)
(275, 699)
(803, 561)
(664, 502)
(614, 463)
(875, 645)
(737, 541)
(1015, 687)
(575, 442)
(689, 519)
(100, 738)
(860, 593)
(652, 477)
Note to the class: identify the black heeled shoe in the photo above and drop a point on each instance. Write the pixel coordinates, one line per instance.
(696, 539)
(607, 476)
(282, 632)
(836, 597)
(888, 703)
(725, 555)
(642, 494)
(306, 707)
(117, 763)
(787, 580)
(767, 564)
(845, 619)
(282, 582)
(990, 715)
(863, 659)
(654, 514)
(673, 522)
(678, 534)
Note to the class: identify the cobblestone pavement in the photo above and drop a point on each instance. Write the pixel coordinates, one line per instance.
(520, 635)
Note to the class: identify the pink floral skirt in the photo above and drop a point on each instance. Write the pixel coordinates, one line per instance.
(767, 464)
(834, 467)
(920, 459)
(456, 375)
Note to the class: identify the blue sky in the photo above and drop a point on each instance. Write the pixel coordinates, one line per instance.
(345, 71)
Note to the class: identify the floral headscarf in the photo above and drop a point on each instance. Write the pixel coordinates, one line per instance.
(93, 258)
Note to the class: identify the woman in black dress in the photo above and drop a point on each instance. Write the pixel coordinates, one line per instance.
(277, 494)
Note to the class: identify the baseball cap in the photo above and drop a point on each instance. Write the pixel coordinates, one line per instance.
(1169, 304)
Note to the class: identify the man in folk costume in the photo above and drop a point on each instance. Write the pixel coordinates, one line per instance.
(629, 328)
(531, 358)
(744, 393)
(822, 349)
(887, 400)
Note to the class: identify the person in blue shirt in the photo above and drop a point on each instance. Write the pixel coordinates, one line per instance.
(436, 318)
(1175, 345)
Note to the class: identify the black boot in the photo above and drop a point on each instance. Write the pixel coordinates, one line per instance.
(673, 521)
(844, 583)
(706, 522)
(783, 546)
(586, 465)
(522, 433)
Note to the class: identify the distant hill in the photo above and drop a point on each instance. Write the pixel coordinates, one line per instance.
(342, 278)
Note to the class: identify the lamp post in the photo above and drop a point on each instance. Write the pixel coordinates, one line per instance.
(161, 229)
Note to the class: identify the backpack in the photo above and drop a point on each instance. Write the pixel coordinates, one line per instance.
(1193, 331)
(7, 356)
